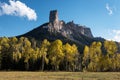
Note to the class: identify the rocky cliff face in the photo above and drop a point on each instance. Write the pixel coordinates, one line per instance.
(69, 30)
(58, 29)
(54, 24)
(66, 29)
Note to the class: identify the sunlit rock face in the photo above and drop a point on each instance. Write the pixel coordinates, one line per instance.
(54, 24)
(59, 29)
(53, 17)
(69, 29)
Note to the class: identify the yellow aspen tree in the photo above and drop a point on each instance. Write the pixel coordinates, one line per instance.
(86, 57)
(43, 52)
(56, 54)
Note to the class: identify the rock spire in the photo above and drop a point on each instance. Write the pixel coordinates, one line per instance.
(53, 17)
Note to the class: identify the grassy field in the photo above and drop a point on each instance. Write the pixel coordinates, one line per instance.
(59, 76)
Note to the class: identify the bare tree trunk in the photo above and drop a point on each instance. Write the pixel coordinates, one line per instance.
(66, 65)
(27, 66)
(43, 63)
(53, 67)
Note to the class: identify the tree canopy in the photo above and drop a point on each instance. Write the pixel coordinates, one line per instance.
(24, 54)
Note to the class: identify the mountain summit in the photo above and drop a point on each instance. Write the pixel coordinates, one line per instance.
(59, 29)
(66, 29)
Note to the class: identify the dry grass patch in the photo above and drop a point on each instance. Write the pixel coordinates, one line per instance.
(59, 76)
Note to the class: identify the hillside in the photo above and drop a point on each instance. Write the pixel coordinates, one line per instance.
(67, 32)
(59, 46)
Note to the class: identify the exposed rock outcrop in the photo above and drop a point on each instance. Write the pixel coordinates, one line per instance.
(54, 24)
(53, 17)
(58, 29)
(69, 29)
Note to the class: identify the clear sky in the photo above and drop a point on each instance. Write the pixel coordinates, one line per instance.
(20, 16)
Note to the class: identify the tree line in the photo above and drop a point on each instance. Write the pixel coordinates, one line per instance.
(101, 57)
(24, 54)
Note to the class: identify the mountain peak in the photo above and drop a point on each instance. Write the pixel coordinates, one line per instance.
(59, 29)
(53, 17)
(66, 29)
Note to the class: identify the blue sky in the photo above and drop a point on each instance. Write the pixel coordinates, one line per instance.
(20, 16)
